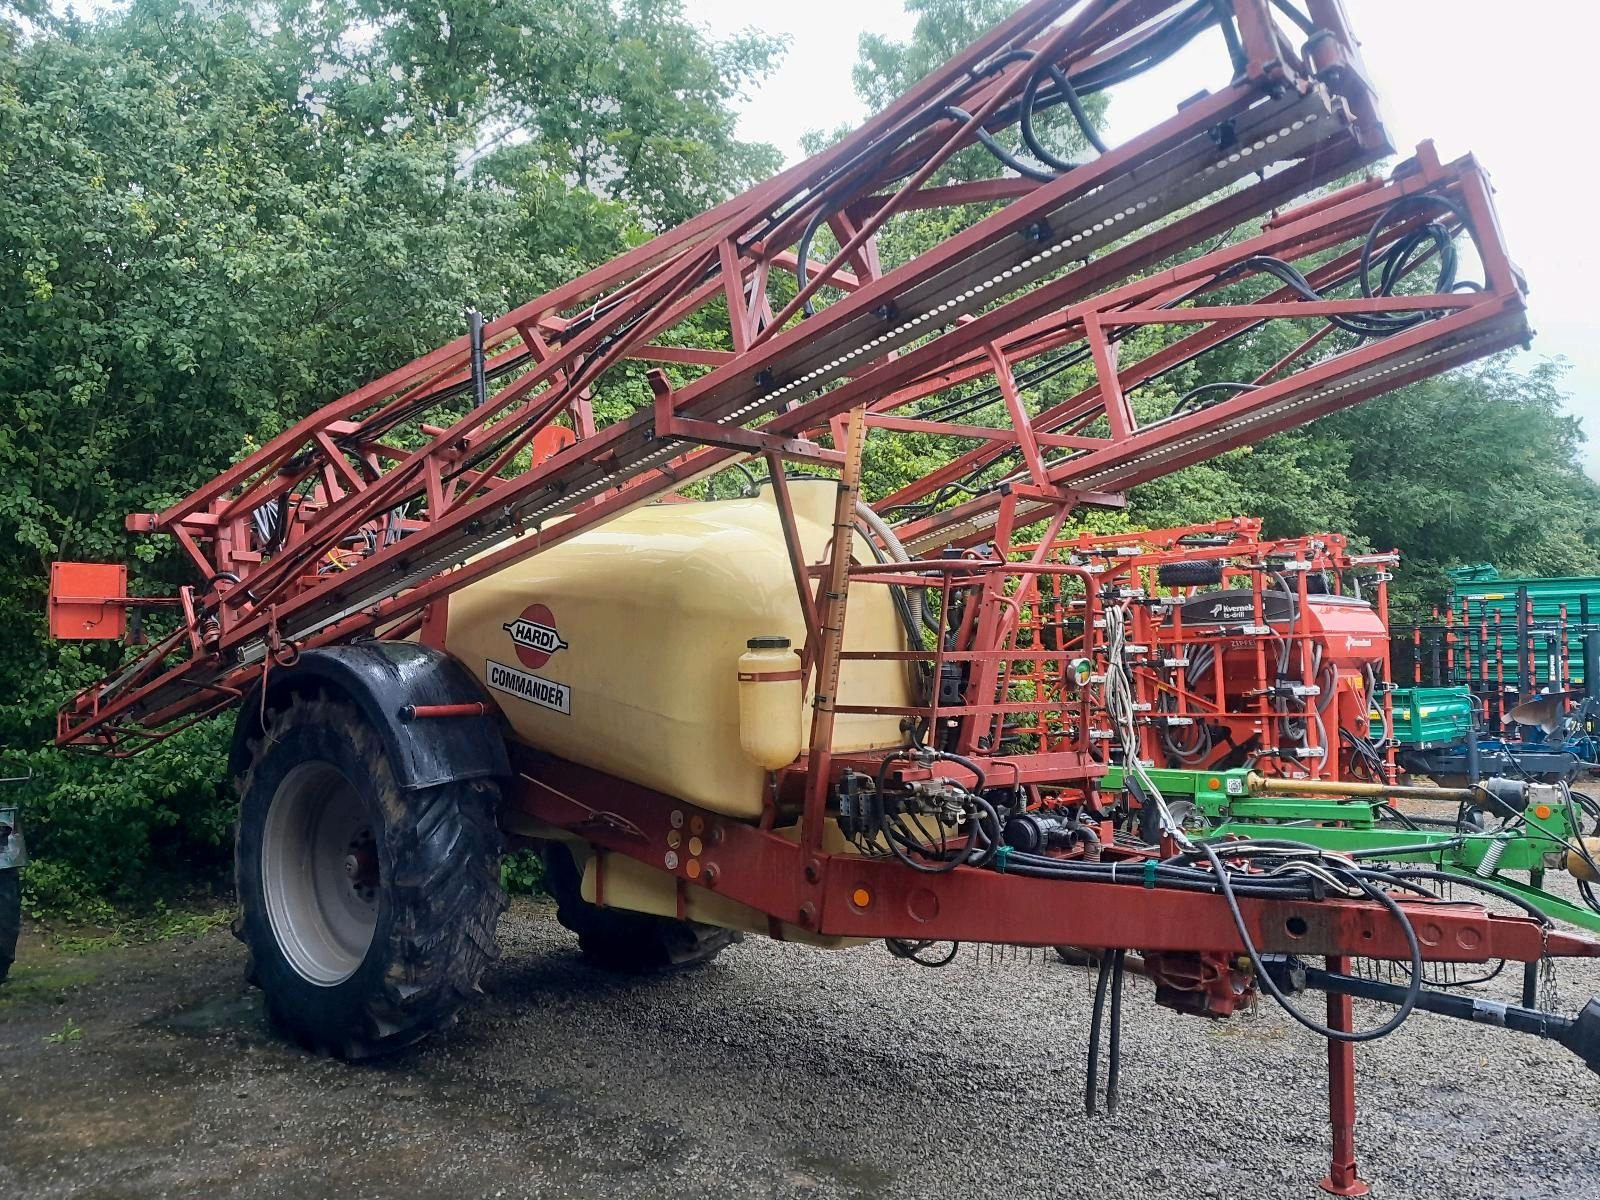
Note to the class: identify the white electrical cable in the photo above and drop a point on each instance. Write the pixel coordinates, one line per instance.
(1119, 705)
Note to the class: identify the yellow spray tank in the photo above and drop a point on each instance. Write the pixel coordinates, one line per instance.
(623, 649)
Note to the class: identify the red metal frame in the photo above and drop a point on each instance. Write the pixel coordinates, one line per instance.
(816, 892)
(397, 464)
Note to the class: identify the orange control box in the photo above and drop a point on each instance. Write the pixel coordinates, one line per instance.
(86, 601)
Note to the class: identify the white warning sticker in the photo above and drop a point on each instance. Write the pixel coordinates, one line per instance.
(546, 693)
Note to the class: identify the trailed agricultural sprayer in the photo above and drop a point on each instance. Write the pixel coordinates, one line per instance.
(453, 617)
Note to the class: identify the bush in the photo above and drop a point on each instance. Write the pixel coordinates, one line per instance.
(121, 829)
(522, 873)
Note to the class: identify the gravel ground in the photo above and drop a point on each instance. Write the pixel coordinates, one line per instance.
(777, 1071)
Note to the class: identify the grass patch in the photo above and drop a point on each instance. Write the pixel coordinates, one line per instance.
(59, 955)
(70, 1032)
(45, 981)
(158, 923)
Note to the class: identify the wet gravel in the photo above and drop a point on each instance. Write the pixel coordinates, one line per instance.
(777, 1071)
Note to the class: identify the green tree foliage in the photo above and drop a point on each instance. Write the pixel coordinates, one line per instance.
(216, 218)
(885, 68)
(1481, 465)
(629, 100)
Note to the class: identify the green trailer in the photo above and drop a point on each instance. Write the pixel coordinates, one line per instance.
(1428, 718)
(1485, 609)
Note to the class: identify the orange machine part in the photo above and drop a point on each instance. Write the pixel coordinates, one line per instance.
(85, 601)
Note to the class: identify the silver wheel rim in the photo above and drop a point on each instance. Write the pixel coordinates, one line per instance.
(319, 869)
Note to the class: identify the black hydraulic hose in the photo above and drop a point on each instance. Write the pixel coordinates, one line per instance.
(963, 761)
(374, 429)
(949, 864)
(902, 603)
(1114, 1045)
(1441, 237)
(1176, 879)
(992, 834)
(1065, 90)
(803, 256)
(1266, 980)
(1233, 389)
(1291, 851)
(904, 755)
(1091, 1077)
(1157, 47)
(1387, 813)
(913, 951)
(1162, 43)
(1405, 885)
(1397, 259)
(1474, 882)
(975, 856)
(884, 147)
(993, 146)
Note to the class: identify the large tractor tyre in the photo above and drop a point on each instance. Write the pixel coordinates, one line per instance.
(617, 940)
(369, 910)
(10, 919)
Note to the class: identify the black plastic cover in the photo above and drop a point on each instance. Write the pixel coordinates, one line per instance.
(381, 678)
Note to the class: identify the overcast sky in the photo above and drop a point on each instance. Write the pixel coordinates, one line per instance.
(1508, 83)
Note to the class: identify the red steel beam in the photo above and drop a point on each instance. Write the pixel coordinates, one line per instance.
(767, 872)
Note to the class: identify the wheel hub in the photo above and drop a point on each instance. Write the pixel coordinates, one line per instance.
(361, 865)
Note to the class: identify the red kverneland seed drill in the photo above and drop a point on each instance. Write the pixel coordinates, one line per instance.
(1244, 651)
(455, 616)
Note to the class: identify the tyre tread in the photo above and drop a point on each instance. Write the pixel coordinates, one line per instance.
(445, 901)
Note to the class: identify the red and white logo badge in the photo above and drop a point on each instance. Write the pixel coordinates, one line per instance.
(535, 636)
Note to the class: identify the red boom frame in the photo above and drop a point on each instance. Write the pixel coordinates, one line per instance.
(399, 462)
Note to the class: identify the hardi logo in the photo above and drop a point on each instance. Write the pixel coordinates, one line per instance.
(534, 634)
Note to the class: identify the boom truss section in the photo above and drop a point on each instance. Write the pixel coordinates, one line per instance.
(488, 450)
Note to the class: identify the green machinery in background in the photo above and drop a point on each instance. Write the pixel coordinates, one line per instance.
(1505, 638)
(1428, 718)
(1518, 652)
(1500, 827)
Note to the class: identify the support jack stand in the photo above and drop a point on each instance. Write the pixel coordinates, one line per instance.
(1342, 1179)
